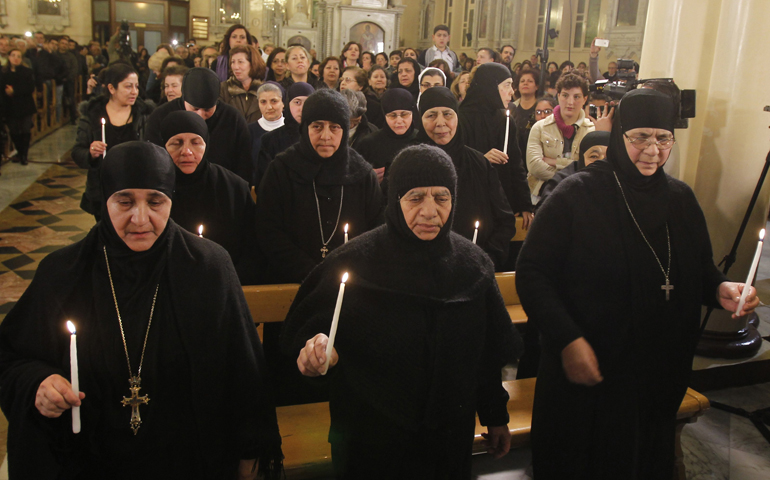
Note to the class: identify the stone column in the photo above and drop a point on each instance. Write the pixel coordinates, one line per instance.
(705, 44)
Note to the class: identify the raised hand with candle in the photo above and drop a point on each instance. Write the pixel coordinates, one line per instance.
(312, 360)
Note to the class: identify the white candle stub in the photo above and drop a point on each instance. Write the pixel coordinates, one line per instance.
(346, 233)
(200, 231)
(476, 233)
(74, 375)
(335, 322)
(752, 272)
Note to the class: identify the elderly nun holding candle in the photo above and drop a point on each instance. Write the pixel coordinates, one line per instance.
(422, 335)
(171, 372)
(613, 273)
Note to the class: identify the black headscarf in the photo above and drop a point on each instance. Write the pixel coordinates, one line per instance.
(397, 99)
(183, 121)
(414, 87)
(647, 195)
(200, 87)
(592, 139)
(298, 89)
(345, 166)
(481, 112)
(441, 97)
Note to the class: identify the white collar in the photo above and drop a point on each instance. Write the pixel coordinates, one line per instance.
(268, 125)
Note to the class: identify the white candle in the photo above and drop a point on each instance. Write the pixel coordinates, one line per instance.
(200, 231)
(74, 376)
(507, 127)
(752, 272)
(346, 233)
(335, 321)
(104, 137)
(476, 233)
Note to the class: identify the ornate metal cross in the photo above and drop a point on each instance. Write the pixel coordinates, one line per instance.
(134, 401)
(667, 287)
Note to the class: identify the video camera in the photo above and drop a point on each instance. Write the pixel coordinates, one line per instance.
(626, 80)
(125, 39)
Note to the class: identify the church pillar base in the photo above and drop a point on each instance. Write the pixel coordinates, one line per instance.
(742, 343)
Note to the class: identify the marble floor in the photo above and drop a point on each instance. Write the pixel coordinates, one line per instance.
(39, 212)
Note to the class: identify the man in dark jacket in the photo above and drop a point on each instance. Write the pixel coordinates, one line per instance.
(70, 61)
(229, 141)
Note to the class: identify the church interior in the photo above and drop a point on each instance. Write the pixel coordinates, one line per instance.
(709, 46)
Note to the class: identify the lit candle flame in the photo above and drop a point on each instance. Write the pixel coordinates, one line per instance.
(345, 277)
(200, 230)
(104, 122)
(346, 228)
(507, 113)
(477, 224)
(762, 234)
(71, 327)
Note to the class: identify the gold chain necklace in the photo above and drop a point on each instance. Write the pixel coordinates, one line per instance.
(134, 381)
(667, 287)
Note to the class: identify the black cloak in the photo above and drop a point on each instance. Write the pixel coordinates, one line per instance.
(283, 137)
(229, 142)
(423, 334)
(203, 369)
(585, 271)
(480, 196)
(216, 198)
(482, 120)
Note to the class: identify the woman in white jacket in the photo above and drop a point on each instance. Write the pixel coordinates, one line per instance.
(554, 142)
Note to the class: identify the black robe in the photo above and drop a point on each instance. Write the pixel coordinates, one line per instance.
(585, 271)
(374, 109)
(364, 129)
(221, 201)
(205, 377)
(423, 334)
(381, 147)
(273, 143)
(229, 143)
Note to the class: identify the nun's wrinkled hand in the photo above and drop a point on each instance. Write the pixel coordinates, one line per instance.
(603, 122)
(580, 364)
(526, 219)
(729, 295)
(312, 358)
(380, 173)
(97, 149)
(497, 440)
(496, 156)
(55, 395)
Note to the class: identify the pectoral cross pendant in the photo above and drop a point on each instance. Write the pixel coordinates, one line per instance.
(324, 251)
(667, 287)
(134, 401)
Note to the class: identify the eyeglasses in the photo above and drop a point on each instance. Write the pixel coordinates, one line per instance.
(394, 115)
(641, 143)
(547, 111)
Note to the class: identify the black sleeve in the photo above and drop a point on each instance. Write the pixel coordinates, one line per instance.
(81, 152)
(284, 257)
(518, 193)
(152, 132)
(375, 206)
(264, 157)
(498, 243)
(242, 150)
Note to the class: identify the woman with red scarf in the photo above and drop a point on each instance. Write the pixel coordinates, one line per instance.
(554, 142)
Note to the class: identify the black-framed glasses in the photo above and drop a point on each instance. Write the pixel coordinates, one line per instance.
(547, 111)
(641, 143)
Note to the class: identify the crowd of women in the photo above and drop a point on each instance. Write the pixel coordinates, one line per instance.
(420, 210)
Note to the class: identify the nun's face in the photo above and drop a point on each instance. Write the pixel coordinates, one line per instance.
(440, 124)
(506, 91)
(399, 121)
(426, 210)
(295, 106)
(139, 216)
(643, 149)
(325, 137)
(594, 154)
(186, 150)
(271, 105)
(204, 113)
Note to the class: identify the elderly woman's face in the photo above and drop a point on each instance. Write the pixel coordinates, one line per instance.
(172, 86)
(643, 150)
(139, 216)
(186, 150)
(440, 124)
(349, 82)
(506, 91)
(426, 210)
(399, 121)
(594, 154)
(271, 105)
(325, 137)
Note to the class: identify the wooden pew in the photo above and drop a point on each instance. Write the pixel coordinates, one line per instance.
(305, 428)
(521, 234)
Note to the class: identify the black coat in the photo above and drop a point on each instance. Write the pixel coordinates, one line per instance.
(374, 109)
(21, 103)
(221, 201)
(584, 271)
(364, 129)
(212, 347)
(89, 130)
(229, 143)
(272, 144)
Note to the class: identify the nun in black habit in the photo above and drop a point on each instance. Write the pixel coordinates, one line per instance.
(210, 196)
(278, 140)
(482, 121)
(596, 274)
(423, 335)
(381, 147)
(149, 300)
(229, 142)
(480, 196)
(309, 192)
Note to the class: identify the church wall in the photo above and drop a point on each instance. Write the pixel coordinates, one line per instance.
(79, 27)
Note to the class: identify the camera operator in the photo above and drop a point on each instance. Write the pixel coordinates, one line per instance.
(119, 46)
(614, 271)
